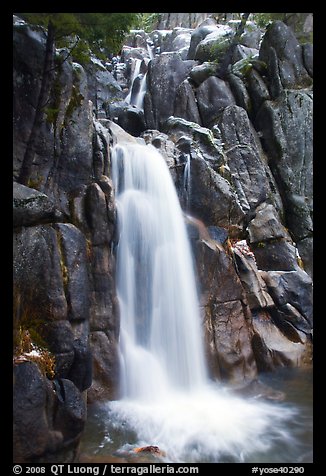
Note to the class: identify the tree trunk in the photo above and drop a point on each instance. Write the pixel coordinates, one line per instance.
(25, 170)
(235, 41)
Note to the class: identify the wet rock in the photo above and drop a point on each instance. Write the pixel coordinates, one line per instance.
(38, 274)
(240, 92)
(165, 73)
(154, 450)
(71, 411)
(226, 316)
(132, 120)
(211, 197)
(213, 96)
(74, 258)
(105, 383)
(200, 138)
(201, 72)
(32, 401)
(250, 175)
(286, 126)
(31, 207)
(207, 26)
(292, 294)
(285, 65)
(273, 349)
(185, 105)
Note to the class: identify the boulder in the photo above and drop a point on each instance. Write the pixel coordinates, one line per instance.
(226, 317)
(207, 26)
(210, 196)
(285, 65)
(33, 432)
(185, 104)
(250, 175)
(105, 383)
(213, 96)
(31, 207)
(165, 73)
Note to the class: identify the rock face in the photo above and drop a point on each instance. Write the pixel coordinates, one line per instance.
(64, 224)
(239, 149)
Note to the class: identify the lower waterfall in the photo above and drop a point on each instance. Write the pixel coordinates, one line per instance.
(167, 398)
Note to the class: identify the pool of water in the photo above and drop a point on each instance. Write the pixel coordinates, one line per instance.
(109, 436)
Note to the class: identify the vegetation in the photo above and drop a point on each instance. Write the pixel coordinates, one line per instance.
(28, 344)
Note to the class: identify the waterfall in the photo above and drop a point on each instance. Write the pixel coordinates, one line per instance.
(160, 322)
(167, 398)
(139, 99)
(136, 62)
(187, 182)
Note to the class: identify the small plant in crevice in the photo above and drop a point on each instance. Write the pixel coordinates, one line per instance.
(27, 351)
(28, 343)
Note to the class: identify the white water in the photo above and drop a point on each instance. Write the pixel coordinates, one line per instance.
(167, 398)
(136, 62)
(139, 99)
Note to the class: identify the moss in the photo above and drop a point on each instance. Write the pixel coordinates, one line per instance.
(52, 111)
(75, 101)
(63, 266)
(35, 182)
(27, 336)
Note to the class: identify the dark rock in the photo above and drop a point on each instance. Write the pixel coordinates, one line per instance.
(71, 412)
(226, 324)
(59, 336)
(74, 256)
(233, 342)
(31, 207)
(273, 349)
(132, 120)
(63, 363)
(308, 58)
(207, 26)
(292, 288)
(211, 197)
(185, 104)
(285, 66)
(102, 86)
(33, 434)
(97, 215)
(266, 225)
(240, 92)
(257, 90)
(165, 73)
(27, 74)
(38, 274)
(105, 383)
(213, 95)
(249, 171)
(276, 255)
(286, 126)
(80, 372)
(201, 138)
(252, 282)
(201, 72)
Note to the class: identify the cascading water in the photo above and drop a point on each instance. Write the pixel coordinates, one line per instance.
(139, 100)
(166, 396)
(136, 62)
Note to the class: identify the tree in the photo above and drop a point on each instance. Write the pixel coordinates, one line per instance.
(102, 32)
